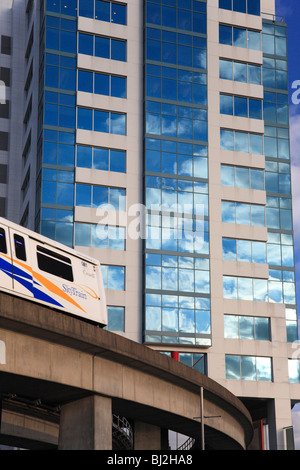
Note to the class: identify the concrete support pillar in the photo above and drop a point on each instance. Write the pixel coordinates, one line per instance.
(271, 418)
(164, 439)
(147, 436)
(279, 418)
(86, 424)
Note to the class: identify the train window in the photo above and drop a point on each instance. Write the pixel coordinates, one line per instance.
(54, 263)
(20, 247)
(3, 247)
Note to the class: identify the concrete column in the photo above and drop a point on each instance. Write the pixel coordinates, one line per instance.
(146, 436)
(86, 424)
(164, 439)
(279, 418)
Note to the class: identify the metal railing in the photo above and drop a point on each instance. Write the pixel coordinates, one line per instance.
(274, 18)
(188, 444)
(122, 432)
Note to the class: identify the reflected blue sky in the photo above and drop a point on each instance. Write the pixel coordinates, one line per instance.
(290, 11)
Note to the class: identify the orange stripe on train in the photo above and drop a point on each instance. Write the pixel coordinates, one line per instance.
(48, 284)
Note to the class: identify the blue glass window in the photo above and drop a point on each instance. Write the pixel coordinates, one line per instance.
(118, 50)
(255, 109)
(86, 8)
(68, 42)
(252, 7)
(243, 250)
(239, 37)
(254, 74)
(182, 86)
(113, 277)
(239, 327)
(100, 236)
(226, 104)
(226, 69)
(225, 4)
(62, 114)
(83, 195)
(248, 368)
(58, 150)
(86, 44)
(65, 7)
(225, 34)
(239, 5)
(242, 107)
(103, 11)
(85, 81)
(239, 71)
(95, 196)
(254, 40)
(67, 79)
(103, 47)
(58, 187)
(118, 13)
(241, 141)
(53, 5)
(61, 36)
(102, 84)
(116, 318)
(52, 39)
(85, 118)
(183, 52)
(189, 16)
(52, 76)
(294, 370)
(242, 177)
(101, 121)
(118, 87)
(188, 124)
(101, 159)
(118, 123)
(241, 213)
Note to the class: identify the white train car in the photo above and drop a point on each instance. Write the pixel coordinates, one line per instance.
(44, 271)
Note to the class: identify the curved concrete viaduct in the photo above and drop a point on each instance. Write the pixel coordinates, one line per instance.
(58, 362)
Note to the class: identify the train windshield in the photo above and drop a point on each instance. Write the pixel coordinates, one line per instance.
(54, 263)
(3, 247)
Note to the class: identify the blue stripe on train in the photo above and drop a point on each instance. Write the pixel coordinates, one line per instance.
(44, 297)
(26, 281)
(7, 268)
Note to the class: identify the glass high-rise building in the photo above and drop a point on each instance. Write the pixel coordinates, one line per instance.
(154, 136)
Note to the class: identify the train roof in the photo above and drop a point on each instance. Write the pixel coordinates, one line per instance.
(42, 239)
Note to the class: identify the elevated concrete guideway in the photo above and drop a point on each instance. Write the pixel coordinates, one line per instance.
(90, 374)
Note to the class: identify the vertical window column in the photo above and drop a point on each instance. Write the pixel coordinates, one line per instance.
(177, 281)
(278, 171)
(57, 121)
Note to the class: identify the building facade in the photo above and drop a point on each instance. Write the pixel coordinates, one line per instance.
(154, 136)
